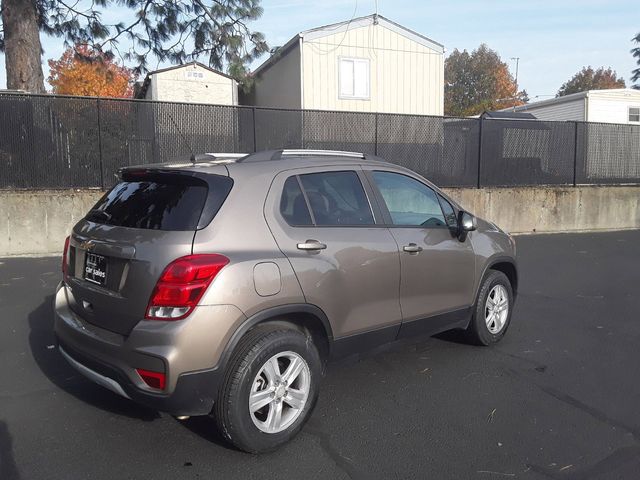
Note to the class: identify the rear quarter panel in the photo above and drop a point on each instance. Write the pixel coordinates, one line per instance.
(240, 232)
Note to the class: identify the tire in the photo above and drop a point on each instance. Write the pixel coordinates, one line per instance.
(251, 371)
(486, 332)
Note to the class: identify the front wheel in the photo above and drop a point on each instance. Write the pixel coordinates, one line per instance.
(492, 311)
(270, 388)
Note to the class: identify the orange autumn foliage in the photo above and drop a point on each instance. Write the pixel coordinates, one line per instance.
(81, 71)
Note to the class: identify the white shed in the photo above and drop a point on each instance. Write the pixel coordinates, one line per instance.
(190, 83)
(605, 106)
(368, 64)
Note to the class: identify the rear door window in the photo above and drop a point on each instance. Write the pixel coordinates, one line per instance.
(337, 199)
(293, 206)
(161, 202)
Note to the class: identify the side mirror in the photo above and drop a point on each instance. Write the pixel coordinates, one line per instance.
(466, 224)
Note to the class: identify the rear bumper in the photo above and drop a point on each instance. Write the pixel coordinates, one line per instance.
(110, 359)
(194, 394)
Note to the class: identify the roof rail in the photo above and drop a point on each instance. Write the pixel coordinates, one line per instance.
(227, 155)
(267, 155)
(216, 157)
(328, 153)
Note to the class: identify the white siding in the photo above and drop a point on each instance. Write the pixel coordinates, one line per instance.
(572, 110)
(279, 85)
(405, 76)
(186, 85)
(611, 106)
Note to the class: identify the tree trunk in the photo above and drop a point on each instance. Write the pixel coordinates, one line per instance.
(23, 51)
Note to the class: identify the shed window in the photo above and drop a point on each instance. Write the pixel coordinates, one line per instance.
(634, 114)
(354, 78)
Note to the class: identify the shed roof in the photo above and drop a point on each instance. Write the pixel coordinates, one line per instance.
(508, 115)
(579, 96)
(331, 29)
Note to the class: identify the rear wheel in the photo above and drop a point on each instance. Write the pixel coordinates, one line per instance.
(492, 311)
(270, 388)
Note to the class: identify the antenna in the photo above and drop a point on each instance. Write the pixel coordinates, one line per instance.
(184, 139)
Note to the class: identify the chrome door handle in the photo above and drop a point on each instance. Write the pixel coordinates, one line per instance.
(311, 245)
(412, 248)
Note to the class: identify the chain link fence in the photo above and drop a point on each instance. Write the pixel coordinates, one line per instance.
(69, 142)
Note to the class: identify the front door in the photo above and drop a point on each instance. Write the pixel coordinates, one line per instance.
(436, 268)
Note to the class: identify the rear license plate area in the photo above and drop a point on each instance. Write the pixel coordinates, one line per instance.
(95, 269)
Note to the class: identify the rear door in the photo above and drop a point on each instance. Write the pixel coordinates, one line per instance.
(346, 262)
(119, 250)
(437, 269)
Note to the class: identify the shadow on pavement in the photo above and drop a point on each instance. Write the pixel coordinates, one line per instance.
(453, 336)
(8, 467)
(205, 427)
(61, 374)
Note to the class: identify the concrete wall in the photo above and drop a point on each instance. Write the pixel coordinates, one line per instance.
(38, 222)
(554, 209)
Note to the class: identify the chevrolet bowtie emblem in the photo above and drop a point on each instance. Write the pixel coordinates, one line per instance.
(87, 245)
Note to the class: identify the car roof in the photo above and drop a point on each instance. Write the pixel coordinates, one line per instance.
(267, 160)
(273, 162)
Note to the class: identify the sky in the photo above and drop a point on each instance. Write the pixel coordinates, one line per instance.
(553, 39)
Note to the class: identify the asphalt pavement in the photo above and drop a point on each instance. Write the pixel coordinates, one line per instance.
(558, 398)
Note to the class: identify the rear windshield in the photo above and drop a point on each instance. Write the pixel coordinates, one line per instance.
(166, 203)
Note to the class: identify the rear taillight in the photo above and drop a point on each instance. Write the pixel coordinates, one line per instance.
(65, 257)
(182, 285)
(153, 379)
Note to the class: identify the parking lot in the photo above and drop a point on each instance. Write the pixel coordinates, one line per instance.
(558, 398)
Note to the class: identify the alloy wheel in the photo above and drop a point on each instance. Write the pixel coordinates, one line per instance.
(279, 392)
(496, 310)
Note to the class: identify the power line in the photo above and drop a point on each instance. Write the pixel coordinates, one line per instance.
(343, 36)
(377, 48)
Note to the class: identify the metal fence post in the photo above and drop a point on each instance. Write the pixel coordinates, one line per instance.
(375, 141)
(255, 144)
(575, 152)
(480, 120)
(100, 144)
(302, 130)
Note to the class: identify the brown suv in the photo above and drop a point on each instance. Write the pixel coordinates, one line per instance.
(221, 286)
